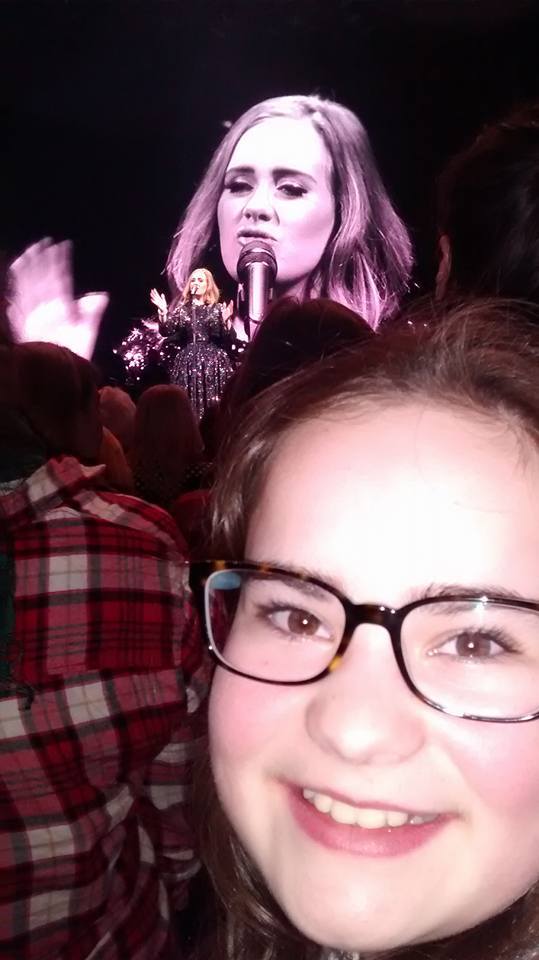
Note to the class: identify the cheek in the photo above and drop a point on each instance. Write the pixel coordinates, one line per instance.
(227, 209)
(312, 226)
(501, 766)
(245, 717)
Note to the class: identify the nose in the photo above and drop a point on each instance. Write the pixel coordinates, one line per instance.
(363, 712)
(259, 205)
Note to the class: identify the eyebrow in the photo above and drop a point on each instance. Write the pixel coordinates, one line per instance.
(457, 590)
(296, 574)
(277, 172)
(431, 591)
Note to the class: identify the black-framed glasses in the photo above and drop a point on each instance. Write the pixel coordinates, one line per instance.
(475, 657)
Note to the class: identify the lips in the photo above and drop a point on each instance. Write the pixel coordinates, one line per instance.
(244, 236)
(371, 829)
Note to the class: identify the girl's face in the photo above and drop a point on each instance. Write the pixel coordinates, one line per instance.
(386, 505)
(278, 187)
(198, 284)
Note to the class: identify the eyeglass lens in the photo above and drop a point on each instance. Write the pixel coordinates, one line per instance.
(467, 657)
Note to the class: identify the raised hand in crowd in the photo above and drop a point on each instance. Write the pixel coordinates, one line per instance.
(43, 305)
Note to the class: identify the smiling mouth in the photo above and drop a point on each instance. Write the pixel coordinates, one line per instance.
(365, 817)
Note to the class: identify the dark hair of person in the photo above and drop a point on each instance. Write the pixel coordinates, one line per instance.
(6, 334)
(58, 395)
(210, 427)
(488, 208)
(8, 379)
(21, 451)
(167, 441)
(292, 335)
(480, 359)
(6, 337)
(118, 414)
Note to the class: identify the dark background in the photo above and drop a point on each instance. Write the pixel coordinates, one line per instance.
(111, 109)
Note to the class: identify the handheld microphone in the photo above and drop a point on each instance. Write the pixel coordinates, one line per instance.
(257, 270)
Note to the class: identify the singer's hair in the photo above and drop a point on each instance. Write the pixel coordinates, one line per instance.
(488, 208)
(367, 262)
(212, 290)
(477, 359)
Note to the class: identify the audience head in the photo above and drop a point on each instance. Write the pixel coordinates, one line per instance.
(59, 397)
(118, 414)
(377, 788)
(117, 476)
(6, 334)
(293, 335)
(166, 432)
(210, 427)
(21, 451)
(8, 379)
(488, 213)
(328, 217)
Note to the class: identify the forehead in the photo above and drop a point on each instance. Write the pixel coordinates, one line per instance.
(198, 275)
(423, 494)
(283, 143)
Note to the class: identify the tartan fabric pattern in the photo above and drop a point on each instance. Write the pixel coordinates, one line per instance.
(95, 847)
(6, 620)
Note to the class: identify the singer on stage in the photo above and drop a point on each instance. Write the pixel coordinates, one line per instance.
(200, 327)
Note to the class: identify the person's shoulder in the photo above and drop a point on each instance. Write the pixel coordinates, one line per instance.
(130, 511)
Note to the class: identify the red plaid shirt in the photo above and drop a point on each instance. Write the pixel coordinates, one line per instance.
(94, 773)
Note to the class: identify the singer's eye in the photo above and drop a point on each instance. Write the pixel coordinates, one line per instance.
(292, 189)
(238, 186)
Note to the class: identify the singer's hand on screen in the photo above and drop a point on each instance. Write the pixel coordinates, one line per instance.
(227, 311)
(43, 305)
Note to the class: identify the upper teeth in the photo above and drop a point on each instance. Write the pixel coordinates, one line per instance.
(365, 817)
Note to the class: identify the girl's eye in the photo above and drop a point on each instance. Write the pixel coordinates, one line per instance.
(298, 622)
(475, 645)
(292, 189)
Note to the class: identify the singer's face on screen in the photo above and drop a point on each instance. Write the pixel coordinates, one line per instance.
(278, 187)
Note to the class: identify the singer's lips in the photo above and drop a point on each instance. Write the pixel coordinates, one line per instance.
(255, 235)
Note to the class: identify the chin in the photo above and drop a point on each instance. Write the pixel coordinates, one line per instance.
(291, 288)
(334, 937)
(364, 931)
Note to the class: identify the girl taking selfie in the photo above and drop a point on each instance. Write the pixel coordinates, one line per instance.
(374, 614)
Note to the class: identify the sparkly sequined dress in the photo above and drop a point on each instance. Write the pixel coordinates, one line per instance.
(201, 365)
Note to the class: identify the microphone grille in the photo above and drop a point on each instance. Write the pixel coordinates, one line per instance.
(256, 251)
